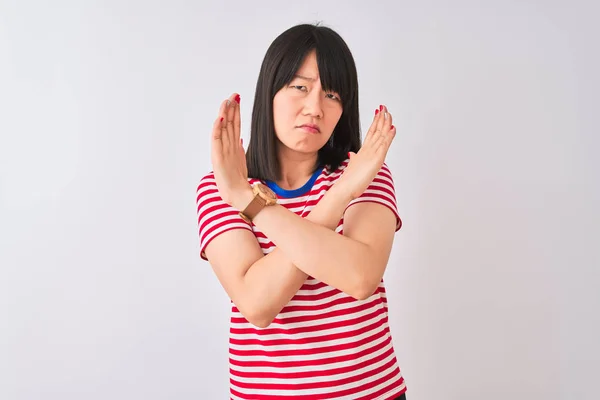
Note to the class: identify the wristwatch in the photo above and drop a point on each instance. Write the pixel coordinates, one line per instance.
(263, 197)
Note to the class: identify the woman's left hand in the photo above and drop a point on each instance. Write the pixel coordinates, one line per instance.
(364, 165)
(228, 156)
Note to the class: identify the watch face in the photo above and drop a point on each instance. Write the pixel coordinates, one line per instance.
(266, 194)
(266, 191)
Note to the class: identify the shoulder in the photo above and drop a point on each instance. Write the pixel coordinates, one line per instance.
(381, 190)
(385, 178)
(207, 188)
(207, 180)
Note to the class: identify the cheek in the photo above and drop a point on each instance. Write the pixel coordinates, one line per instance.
(334, 117)
(284, 116)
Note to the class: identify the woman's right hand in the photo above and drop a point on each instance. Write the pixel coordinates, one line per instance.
(364, 165)
(228, 156)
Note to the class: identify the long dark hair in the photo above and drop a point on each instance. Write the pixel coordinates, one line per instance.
(337, 72)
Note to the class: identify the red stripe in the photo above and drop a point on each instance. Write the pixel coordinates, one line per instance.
(306, 329)
(309, 351)
(225, 218)
(386, 389)
(331, 395)
(309, 340)
(310, 363)
(316, 317)
(313, 373)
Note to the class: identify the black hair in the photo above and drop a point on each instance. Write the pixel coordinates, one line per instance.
(337, 72)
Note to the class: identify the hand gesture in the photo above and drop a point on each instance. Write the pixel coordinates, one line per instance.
(227, 152)
(364, 165)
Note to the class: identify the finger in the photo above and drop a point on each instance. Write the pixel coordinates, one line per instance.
(216, 140)
(236, 118)
(373, 126)
(387, 120)
(217, 124)
(382, 119)
(386, 141)
(217, 133)
(225, 138)
(383, 126)
(242, 152)
(230, 117)
(389, 137)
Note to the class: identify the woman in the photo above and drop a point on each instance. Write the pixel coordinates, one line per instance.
(299, 230)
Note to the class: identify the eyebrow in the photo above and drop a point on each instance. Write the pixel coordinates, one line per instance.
(306, 78)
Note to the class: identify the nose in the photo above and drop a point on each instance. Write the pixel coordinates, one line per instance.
(313, 104)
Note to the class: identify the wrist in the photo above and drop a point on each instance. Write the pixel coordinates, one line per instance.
(242, 198)
(343, 189)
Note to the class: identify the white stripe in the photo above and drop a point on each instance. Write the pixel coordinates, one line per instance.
(305, 392)
(325, 378)
(323, 333)
(333, 308)
(311, 345)
(314, 323)
(319, 302)
(315, 291)
(321, 367)
(381, 386)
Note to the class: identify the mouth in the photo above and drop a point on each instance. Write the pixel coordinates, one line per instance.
(311, 128)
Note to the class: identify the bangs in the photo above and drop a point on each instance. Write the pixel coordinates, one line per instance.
(337, 70)
(281, 63)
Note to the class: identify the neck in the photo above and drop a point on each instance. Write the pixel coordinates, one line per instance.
(296, 168)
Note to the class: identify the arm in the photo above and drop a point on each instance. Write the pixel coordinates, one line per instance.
(231, 267)
(354, 262)
(260, 286)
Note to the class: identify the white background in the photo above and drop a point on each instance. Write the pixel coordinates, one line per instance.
(105, 113)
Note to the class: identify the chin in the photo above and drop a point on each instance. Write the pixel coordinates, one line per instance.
(302, 147)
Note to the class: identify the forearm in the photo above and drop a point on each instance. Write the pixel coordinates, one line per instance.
(273, 280)
(318, 250)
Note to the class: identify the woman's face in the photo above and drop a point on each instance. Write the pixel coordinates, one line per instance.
(304, 115)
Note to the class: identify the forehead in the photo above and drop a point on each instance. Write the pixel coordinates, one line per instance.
(309, 70)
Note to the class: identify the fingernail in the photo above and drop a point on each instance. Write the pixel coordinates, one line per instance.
(385, 115)
(237, 98)
(380, 107)
(221, 119)
(228, 103)
(391, 127)
(376, 111)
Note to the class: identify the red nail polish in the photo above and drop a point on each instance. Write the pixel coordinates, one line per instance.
(237, 98)
(221, 119)
(380, 107)
(376, 111)
(391, 127)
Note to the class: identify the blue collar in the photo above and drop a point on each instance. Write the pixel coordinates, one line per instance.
(295, 192)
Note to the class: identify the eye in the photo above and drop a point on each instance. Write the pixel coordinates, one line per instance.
(299, 87)
(333, 96)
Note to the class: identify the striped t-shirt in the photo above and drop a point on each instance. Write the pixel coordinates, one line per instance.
(324, 344)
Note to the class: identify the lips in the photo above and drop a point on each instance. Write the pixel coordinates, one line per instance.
(312, 128)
